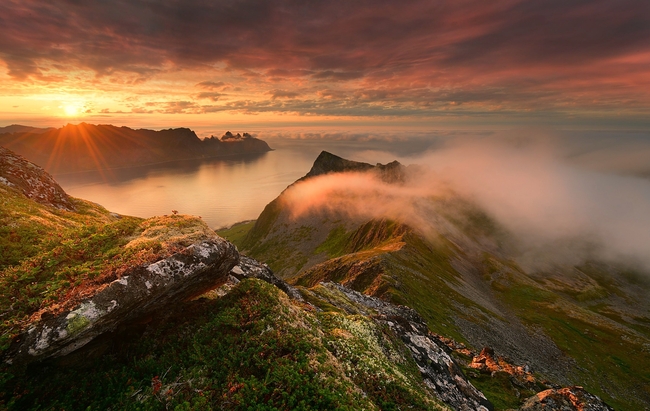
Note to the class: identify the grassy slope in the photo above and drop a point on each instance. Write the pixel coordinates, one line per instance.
(404, 270)
(237, 232)
(611, 353)
(27, 227)
(175, 363)
(252, 349)
(51, 258)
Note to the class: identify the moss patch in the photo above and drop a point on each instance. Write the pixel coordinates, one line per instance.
(77, 323)
(252, 349)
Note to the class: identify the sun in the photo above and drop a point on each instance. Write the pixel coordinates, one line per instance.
(71, 110)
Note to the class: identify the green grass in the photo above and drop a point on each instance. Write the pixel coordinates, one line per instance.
(267, 241)
(499, 390)
(252, 349)
(263, 225)
(237, 232)
(26, 227)
(72, 257)
(423, 272)
(414, 272)
(335, 242)
(53, 256)
(376, 361)
(609, 358)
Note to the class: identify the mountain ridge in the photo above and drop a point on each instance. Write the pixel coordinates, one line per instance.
(76, 327)
(466, 283)
(114, 298)
(86, 147)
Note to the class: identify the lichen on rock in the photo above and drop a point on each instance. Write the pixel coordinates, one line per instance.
(439, 371)
(141, 290)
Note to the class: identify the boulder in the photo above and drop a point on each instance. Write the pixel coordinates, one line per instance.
(251, 268)
(139, 292)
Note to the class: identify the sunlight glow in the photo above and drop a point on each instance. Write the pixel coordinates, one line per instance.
(71, 109)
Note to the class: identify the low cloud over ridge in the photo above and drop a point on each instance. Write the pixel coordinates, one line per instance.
(559, 210)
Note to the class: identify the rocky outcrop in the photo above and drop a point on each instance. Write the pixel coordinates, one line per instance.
(565, 399)
(251, 268)
(439, 371)
(327, 163)
(32, 181)
(140, 291)
(487, 362)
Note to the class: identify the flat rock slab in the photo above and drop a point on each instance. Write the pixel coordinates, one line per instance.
(138, 292)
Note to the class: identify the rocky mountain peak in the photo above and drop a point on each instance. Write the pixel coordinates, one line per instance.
(327, 163)
(32, 181)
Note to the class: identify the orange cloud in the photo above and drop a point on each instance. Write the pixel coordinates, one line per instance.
(510, 57)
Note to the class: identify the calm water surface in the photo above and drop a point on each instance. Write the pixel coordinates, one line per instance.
(221, 191)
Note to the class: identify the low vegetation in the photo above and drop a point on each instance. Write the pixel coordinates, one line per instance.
(237, 232)
(56, 257)
(251, 349)
(255, 349)
(608, 344)
(611, 354)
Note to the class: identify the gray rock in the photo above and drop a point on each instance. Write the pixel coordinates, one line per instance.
(140, 291)
(251, 268)
(439, 371)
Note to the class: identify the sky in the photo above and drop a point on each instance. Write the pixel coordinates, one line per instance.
(300, 64)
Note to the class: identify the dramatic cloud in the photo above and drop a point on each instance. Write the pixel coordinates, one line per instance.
(557, 211)
(211, 85)
(283, 94)
(392, 58)
(211, 95)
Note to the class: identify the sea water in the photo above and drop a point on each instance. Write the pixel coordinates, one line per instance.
(222, 190)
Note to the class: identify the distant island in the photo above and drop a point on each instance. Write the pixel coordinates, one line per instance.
(86, 147)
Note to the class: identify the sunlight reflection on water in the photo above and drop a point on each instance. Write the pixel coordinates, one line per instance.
(221, 191)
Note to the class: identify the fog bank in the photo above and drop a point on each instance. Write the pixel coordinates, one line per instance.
(562, 201)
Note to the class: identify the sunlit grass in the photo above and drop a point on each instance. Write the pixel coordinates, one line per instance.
(54, 257)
